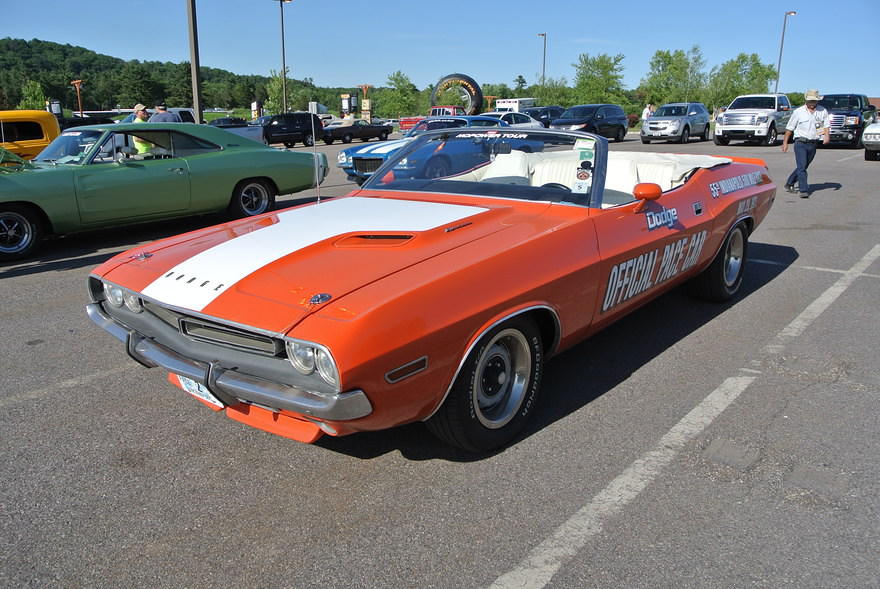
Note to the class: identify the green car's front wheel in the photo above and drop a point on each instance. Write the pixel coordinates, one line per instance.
(251, 197)
(20, 231)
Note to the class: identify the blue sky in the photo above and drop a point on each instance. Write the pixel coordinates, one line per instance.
(832, 47)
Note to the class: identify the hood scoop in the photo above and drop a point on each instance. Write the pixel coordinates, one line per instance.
(374, 240)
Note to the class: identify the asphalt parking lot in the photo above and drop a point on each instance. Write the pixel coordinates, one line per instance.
(689, 445)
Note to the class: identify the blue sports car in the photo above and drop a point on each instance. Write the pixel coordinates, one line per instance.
(360, 162)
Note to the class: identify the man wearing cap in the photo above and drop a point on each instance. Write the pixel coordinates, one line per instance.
(140, 116)
(163, 116)
(809, 125)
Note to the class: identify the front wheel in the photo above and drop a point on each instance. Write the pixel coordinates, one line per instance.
(251, 197)
(496, 391)
(770, 139)
(685, 135)
(347, 138)
(721, 140)
(20, 232)
(621, 134)
(723, 278)
(308, 141)
(383, 136)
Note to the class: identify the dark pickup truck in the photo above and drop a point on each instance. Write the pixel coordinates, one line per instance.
(849, 115)
(348, 129)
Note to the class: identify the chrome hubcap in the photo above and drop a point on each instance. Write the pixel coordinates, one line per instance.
(254, 199)
(502, 377)
(733, 257)
(15, 233)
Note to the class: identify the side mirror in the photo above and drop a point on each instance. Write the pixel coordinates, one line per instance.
(692, 113)
(783, 108)
(644, 192)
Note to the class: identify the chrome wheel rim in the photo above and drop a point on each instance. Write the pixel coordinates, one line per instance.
(254, 198)
(502, 378)
(733, 257)
(16, 233)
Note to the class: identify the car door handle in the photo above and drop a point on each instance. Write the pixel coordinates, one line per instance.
(178, 170)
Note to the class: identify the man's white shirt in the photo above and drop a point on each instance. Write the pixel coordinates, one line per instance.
(807, 125)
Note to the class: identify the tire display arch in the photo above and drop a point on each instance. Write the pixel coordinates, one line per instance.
(469, 88)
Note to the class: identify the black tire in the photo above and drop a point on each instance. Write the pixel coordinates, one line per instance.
(620, 135)
(685, 135)
(365, 139)
(21, 230)
(496, 391)
(308, 140)
(721, 140)
(383, 136)
(723, 278)
(470, 86)
(251, 197)
(289, 144)
(646, 140)
(706, 133)
(872, 156)
(347, 138)
(436, 167)
(328, 140)
(770, 139)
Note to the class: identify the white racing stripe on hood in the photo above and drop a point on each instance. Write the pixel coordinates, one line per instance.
(196, 282)
(383, 147)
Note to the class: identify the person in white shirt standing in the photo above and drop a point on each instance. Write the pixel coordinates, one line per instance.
(809, 125)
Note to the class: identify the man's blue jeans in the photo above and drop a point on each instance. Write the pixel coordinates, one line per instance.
(804, 152)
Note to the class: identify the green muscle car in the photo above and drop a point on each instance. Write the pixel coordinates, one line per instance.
(111, 175)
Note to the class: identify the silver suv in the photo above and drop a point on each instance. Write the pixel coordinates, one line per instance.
(753, 117)
(677, 121)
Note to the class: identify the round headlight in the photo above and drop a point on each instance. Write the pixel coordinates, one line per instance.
(115, 295)
(326, 367)
(301, 356)
(132, 301)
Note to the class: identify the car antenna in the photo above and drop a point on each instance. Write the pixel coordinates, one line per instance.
(315, 156)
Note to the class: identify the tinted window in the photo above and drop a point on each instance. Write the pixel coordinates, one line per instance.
(754, 102)
(579, 112)
(186, 145)
(186, 116)
(21, 131)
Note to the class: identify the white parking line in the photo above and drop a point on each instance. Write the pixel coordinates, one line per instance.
(61, 386)
(817, 268)
(545, 560)
(849, 157)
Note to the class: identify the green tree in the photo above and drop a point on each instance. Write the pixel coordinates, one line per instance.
(273, 102)
(599, 79)
(135, 84)
(32, 97)
(401, 99)
(554, 91)
(675, 76)
(743, 75)
(519, 85)
(178, 88)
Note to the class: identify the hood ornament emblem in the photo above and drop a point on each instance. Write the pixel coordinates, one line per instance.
(320, 298)
(142, 256)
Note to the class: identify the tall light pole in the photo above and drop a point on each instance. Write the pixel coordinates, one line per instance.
(281, 4)
(194, 59)
(781, 43)
(544, 62)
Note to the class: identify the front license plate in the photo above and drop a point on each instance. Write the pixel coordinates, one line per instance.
(199, 390)
(657, 133)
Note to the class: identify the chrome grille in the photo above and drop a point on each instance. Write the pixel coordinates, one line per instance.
(837, 120)
(739, 119)
(367, 165)
(216, 333)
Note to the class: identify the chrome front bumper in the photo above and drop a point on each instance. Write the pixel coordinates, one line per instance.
(230, 386)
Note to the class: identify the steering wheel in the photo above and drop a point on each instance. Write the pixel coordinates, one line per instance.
(557, 186)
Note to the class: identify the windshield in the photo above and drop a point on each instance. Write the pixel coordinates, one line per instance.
(527, 165)
(670, 111)
(840, 101)
(578, 112)
(264, 120)
(423, 126)
(70, 147)
(767, 102)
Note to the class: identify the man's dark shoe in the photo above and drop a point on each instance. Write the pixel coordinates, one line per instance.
(790, 188)
(805, 195)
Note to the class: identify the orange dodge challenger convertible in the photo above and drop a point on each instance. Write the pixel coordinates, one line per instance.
(437, 290)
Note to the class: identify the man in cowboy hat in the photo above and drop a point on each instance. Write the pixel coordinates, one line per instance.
(809, 124)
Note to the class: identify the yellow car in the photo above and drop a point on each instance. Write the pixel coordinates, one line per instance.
(27, 132)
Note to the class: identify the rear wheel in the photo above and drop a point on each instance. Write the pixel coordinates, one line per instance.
(723, 278)
(496, 391)
(719, 140)
(685, 135)
(706, 133)
(383, 136)
(347, 138)
(645, 140)
(20, 232)
(289, 144)
(308, 141)
(621, 134)
(251, 197)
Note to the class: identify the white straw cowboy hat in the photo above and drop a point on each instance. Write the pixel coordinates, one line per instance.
(812, 95)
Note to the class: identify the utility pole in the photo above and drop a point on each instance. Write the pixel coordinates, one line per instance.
(544, 61)
(194, 60)
(76, 84)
